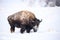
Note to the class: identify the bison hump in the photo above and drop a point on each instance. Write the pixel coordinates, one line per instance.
(23, 16)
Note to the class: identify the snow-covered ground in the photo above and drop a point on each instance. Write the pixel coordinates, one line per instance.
(49, 29)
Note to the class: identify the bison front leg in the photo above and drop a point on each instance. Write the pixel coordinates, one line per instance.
(22, 30)
(28, 30)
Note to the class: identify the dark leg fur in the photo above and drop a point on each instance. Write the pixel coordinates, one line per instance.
(22, 30)
(12, 29)
(28, 30)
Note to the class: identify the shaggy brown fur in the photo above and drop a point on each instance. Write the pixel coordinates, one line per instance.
(23, 16)
(25, 20)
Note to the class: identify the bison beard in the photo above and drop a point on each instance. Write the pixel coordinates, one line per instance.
(25, 20)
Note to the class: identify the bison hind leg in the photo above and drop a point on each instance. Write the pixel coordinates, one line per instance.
(12, 29)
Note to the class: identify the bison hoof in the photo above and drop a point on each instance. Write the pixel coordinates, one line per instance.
(28, 31)
(12, 30)
(22, 30)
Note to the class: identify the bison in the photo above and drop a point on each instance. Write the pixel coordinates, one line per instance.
(25, 20)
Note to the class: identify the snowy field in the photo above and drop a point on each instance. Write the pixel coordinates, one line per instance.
(49, 29)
